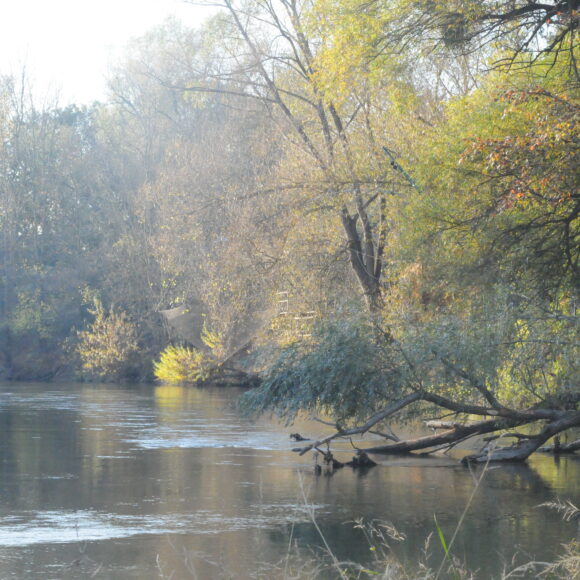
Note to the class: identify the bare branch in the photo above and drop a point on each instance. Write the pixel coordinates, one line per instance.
(389, 410)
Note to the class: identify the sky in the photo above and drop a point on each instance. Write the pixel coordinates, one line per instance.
(67, 46)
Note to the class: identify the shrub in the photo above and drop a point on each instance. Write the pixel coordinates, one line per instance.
(181, 364)
(108, 347)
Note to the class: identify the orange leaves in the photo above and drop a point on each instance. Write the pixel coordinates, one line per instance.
(531, 164)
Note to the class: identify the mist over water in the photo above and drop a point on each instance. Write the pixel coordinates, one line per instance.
(141, 482)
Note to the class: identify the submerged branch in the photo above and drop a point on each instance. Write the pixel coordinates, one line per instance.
(525, 447)
(391, 409)
(558, 447)
(446, 438)
(457, 432)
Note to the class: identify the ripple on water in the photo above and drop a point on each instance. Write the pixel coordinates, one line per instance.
(46, 401)
(59, 527)
(165, 439)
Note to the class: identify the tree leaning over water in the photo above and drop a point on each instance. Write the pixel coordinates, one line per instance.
(479, 332)
(455, 371)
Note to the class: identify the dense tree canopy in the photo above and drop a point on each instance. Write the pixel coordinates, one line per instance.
(372, 205)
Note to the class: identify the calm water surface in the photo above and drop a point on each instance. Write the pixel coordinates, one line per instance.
(150, 482)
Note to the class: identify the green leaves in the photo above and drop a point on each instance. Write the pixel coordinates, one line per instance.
(441, 537)
(344, 369)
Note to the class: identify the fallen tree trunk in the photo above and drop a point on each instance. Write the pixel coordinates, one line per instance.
(556, 421)
(455, 434)
(525, 447)
(444, 424)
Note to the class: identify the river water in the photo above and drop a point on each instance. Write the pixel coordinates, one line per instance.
(143, 482)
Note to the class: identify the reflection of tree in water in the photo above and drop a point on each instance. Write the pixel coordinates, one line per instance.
(516, 477)
(346, 543)
(505, 510)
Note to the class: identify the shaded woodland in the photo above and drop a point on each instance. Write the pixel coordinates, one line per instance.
(371, 208)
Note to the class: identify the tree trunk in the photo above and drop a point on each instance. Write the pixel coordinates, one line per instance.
(364, 261)
(525, 447)
(447, 437)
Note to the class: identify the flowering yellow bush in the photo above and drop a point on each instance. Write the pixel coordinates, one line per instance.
(181, 364)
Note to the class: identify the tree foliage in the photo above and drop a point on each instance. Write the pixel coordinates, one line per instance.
(182, 364)
(341, 369)
(481, 317)
(109, 345)
(379, 200)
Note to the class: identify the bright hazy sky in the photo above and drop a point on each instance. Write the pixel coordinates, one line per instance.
(67, 45)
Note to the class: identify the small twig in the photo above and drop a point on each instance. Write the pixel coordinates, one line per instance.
(310, 509)
(447, 446)
(462, 518)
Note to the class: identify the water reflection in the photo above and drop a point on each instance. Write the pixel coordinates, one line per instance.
(138, 482)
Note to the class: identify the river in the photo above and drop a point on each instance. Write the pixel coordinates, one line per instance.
(142, 482)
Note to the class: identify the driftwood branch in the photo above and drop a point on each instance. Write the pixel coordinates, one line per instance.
(437, 424)
(519, 436)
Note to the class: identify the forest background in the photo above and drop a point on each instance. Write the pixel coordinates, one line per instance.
(372, 205)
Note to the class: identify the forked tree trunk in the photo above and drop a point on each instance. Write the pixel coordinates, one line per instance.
(366, 261)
